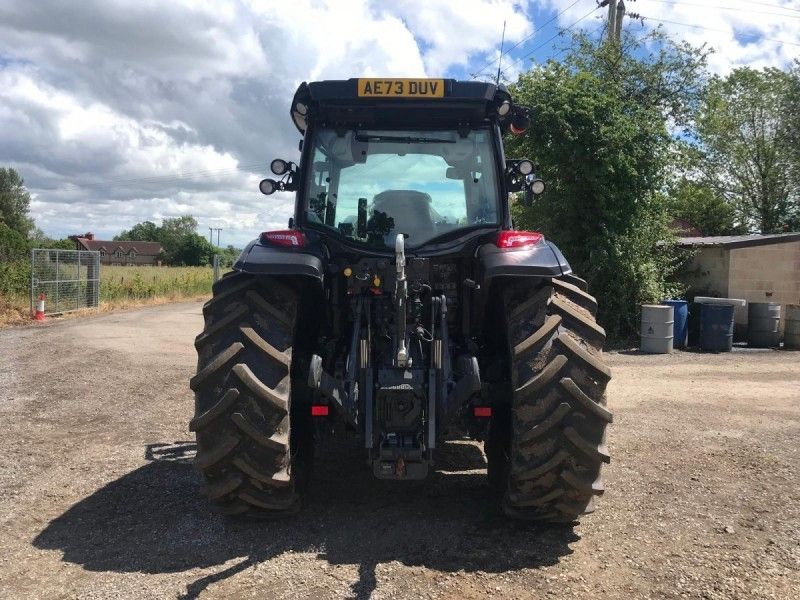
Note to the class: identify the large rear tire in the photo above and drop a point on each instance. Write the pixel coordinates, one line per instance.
(545, 449)
(254, 447)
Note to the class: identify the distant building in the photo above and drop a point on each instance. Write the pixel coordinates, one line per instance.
(120, 252)
(684, 228)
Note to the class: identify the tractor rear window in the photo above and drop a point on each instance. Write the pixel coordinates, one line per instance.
(370, 185)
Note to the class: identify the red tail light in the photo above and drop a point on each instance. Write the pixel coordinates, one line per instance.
(319, 410)
(291, 238)
(482, 411)
(518, 239)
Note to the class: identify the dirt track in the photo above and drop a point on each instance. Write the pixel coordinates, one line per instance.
(98, 497)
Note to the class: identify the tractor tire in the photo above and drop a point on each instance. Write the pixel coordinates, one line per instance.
(253, 449)
(545, 449)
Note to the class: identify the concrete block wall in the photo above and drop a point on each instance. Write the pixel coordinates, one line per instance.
(707, 275)
(768, 273)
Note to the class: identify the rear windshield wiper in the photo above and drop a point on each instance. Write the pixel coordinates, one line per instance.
(401, 139)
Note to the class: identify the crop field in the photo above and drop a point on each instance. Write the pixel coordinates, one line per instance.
(139, 283)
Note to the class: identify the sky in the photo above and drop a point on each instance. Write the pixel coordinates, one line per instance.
(120, 111)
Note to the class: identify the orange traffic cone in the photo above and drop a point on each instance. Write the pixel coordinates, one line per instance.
(39, 315)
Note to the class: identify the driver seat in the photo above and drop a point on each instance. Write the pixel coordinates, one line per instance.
(411, 211)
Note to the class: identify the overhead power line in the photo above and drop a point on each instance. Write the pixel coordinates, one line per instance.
(692, 25)
(522, 41)
(769, 5)
(164, 180)
(728, 8)
(180, 176)
(560, 33)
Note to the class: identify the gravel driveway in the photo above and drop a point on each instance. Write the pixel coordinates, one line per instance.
(98, 498)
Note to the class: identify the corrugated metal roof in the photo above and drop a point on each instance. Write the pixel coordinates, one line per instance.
(739, 241)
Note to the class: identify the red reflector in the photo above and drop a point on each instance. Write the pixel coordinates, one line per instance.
(518, 239)
(319, 410)
(482, 411)
(284, 237)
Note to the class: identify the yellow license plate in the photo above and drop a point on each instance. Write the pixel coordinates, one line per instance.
(401, 88)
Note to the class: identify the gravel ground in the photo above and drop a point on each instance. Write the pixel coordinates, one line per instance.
(98, 498)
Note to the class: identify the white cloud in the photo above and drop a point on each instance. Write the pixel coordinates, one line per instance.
(741, 32)
(117, 111)
(453, 32)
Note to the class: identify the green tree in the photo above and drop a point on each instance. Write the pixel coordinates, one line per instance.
(146, 231)
(180, 242)
(38, 239)
(15, 202)
(13, 245)
(193, 250)
(599, 138)
(174, 233)
(746, 137)
(699, 204)
(791, 112)
(228, 255)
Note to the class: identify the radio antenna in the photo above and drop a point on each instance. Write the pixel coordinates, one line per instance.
(500, 60)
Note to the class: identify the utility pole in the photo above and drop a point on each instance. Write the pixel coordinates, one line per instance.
(210, 235)
(618, 22)
(217, 229)
(612, 20)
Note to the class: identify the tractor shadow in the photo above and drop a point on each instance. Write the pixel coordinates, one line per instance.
(154, 520)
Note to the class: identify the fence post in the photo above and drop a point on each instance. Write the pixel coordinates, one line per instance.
(33, 270)
(78, 277)
(58, 278)
(97, 267)
(216, 268)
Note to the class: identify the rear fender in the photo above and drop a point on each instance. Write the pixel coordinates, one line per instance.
(258, 259)
(542, 260)
(498, 265)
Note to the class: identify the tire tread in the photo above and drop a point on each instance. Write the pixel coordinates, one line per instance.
(559, 416)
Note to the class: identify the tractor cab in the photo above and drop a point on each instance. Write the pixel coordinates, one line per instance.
(422, 158)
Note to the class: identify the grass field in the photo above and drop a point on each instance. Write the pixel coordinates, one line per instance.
(139, 283)
(124, 287)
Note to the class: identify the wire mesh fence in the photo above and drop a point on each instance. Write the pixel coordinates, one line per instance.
(69, 279)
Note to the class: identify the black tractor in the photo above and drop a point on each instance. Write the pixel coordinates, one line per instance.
(401, 308)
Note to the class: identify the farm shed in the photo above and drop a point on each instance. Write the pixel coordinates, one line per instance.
(757, 268)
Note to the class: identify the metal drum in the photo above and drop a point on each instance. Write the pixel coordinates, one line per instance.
(657, 332)
(791, 330)
(716, 327)
(763, 324)
(681, 316)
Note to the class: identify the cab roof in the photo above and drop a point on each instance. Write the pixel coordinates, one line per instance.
(389, 102)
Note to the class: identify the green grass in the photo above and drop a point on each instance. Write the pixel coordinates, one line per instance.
(139, 283)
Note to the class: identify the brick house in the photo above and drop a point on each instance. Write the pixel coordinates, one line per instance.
(120, 252)
(756, 268)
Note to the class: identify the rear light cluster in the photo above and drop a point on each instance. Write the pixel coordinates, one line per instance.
(518, 239)
(319, 410)
(290, 238)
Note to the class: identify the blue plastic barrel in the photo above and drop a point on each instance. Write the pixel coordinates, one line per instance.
(681, 318)
(716, 327)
